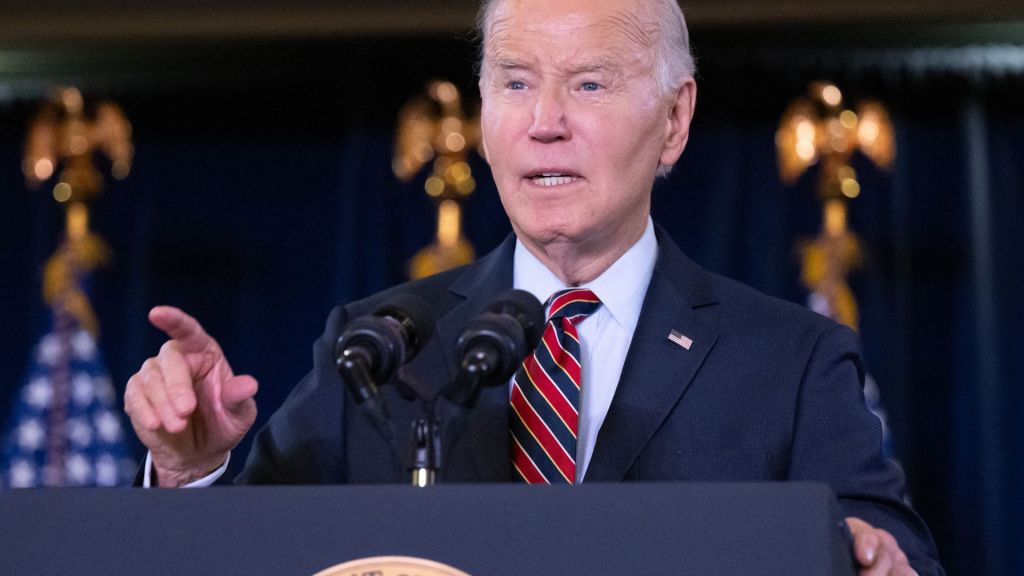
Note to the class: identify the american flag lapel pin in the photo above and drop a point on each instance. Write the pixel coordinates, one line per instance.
(679, 339)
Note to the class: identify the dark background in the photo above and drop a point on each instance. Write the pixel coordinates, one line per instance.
(261, 196)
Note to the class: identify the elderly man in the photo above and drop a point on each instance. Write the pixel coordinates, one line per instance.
(652, 369)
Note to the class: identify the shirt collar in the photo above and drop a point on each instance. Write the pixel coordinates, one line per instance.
(623, 299)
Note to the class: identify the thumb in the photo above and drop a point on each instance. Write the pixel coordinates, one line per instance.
(237, 391)
(865, 541)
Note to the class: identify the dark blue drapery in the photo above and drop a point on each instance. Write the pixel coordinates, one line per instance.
(261, 197)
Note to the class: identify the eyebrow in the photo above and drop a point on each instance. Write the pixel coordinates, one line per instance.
(598, 65)
(510, 64)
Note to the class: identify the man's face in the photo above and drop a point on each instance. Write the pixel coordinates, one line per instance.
(574, 124)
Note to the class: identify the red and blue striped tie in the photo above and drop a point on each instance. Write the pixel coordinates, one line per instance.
(546, 395)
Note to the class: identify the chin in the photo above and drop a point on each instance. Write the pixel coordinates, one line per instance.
(554, 235)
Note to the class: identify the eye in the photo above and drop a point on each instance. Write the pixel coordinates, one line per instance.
(590, 86)
(516, 85)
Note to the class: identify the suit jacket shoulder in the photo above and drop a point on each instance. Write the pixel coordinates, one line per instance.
(315, 434)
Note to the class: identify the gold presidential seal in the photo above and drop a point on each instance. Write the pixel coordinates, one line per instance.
(391, 566)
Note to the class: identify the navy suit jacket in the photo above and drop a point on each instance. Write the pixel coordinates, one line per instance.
(768, 391)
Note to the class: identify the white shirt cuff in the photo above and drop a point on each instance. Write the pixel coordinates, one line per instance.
(147, 474)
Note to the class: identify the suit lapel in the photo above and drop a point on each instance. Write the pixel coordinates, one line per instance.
(486, 426)
(656, 373)
(657, 370)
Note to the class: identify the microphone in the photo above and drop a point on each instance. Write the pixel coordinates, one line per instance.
(373, 347)
(493, 344)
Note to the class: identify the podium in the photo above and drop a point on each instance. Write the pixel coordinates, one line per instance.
(483, 530)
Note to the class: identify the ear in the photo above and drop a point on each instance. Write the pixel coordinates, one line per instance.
(483, 134)
(483, 144)
(679, 116)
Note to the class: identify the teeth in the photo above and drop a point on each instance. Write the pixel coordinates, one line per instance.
(552, 179)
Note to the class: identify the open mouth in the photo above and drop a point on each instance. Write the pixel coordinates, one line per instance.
(553, 178)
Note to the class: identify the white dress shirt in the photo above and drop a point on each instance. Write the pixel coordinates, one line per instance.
(147, 474)
(604, 335)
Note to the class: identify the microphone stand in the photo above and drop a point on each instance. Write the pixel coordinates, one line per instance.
(425, 451)
(424, 459)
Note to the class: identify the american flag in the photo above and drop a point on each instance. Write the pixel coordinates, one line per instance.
(65, 428)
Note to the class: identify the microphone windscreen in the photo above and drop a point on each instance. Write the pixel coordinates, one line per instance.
(527, 310)
(413, 313)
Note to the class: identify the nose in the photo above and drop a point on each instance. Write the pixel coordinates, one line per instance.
(549, 120)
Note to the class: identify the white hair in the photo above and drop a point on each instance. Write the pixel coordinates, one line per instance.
(673, 61)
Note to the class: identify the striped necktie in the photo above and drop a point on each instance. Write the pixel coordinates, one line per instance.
(546, 395)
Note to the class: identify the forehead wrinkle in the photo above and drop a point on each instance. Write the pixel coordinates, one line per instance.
(497, 25)
(624, 25)
(503, 34)
(637, 32)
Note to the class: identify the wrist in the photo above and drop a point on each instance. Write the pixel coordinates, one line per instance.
(176, 477)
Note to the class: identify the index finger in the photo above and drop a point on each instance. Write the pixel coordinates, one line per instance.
(181, 327)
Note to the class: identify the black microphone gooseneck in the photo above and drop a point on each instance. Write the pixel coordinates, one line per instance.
(372, 348)
(489, 350)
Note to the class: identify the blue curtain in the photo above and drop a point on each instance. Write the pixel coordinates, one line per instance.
(261, 196)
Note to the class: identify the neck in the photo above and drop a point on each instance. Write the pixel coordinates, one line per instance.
(578, 262)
